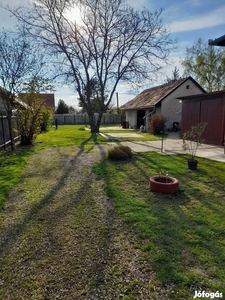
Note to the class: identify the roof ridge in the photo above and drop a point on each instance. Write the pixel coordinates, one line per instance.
(166, 83)
(152, 96)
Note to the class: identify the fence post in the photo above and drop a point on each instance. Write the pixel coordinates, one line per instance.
(56, 123)
(3, 131)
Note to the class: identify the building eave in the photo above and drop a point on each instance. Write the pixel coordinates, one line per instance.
(218, 42)
(202, 96)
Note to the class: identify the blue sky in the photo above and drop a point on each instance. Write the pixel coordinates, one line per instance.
(187, 20)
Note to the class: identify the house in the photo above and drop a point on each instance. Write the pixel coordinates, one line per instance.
(209, 108)
(48, 98)
(161, 99)
(7, 102)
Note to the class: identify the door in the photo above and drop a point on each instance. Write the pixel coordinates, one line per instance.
(140, 115)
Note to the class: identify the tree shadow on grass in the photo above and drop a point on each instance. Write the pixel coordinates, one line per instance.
(156, 218)
(71, 203)
(88, 144)
(178, 229)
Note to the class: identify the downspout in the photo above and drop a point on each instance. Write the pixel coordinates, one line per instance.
(152, 112)
(149, 114)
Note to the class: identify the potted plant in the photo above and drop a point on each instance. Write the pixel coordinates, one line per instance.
(192, 140)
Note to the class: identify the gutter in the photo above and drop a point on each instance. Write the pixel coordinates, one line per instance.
(217, 42)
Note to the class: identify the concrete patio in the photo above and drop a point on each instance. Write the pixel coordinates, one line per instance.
(172, 145)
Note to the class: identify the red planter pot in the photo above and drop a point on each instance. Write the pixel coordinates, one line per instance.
(164, 184)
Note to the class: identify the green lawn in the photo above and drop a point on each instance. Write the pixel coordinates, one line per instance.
(68, 135)
(11, 169)
(77, 135)
(12, 163)
(183, 234)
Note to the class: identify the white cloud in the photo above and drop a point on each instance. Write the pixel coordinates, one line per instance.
(136, 4)
(212, 19)
(195, 2)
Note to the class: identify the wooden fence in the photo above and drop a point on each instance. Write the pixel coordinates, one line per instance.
(84, 120)
(4, 131)
(61, 119)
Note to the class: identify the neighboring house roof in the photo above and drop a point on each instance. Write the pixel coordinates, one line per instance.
(48, 98)
(15, 103)
(218, 42)
(153, 96)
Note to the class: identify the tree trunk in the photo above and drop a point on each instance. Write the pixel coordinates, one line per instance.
(99, 120)
(94, 121)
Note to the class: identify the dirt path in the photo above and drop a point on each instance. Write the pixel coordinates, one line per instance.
(61, 239)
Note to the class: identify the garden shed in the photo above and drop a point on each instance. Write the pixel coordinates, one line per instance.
(209, 108)
(162, 99)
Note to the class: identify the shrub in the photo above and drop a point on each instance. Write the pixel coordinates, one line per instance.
(192, 139)
(157, 123)
(30, 119)
(46, 119)
(120, 153)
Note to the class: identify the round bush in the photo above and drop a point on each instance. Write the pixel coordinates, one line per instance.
(157, 123)
(120, 153)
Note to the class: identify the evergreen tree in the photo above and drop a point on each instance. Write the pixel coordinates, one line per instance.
(62, 107)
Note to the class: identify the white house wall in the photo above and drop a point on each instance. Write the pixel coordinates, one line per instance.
(171, 106)
(131, 118)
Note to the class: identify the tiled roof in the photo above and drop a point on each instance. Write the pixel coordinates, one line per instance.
(48, 98)
(152, 96)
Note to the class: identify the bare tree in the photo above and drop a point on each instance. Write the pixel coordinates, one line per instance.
(112, 43)
(18, 62)
(96, 103)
